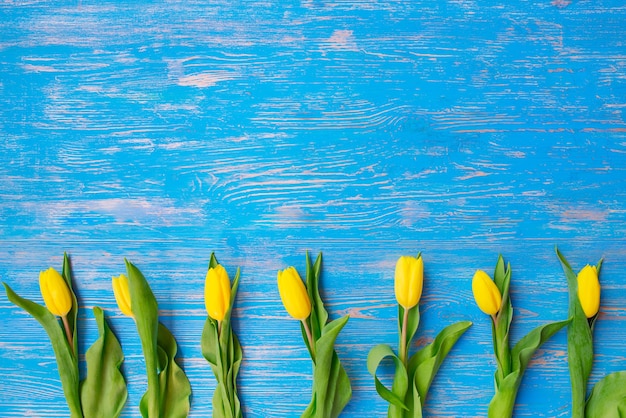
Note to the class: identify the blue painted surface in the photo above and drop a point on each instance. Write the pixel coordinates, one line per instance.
(162, 132)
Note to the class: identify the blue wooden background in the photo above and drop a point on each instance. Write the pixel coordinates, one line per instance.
(163, 131)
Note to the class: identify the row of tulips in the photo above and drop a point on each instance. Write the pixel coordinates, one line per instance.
(102, 393)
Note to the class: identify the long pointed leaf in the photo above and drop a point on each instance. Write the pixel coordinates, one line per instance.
(73, 313)
(326, 367)
(319, 315)
(343, 392)
(66, 361)
(424, 364)
(103, 392)
(526, 347)
(502, 279)
(145, 309)
(579, 343)
(503, 401)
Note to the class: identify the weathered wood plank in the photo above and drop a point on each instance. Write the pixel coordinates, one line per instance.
(366, 130)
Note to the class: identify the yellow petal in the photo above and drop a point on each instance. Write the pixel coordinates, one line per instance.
(293, 293)
(217, 292)
(589, 290)
(55, 292)
(486, 293)
(409, 281)
(122, 294)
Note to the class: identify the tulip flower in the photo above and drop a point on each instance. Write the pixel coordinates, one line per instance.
(56, 294)
(408, 283)
(296, 300)
(414, 374)
(168, 389)
(217, 292)
(589, 290)
(492, 297)
(102, 392)
(219, 343)
(122, 294)
(584, 303)
(293, 293)
(57, 297)
(331, 385)
(486, 293)
(409, 279)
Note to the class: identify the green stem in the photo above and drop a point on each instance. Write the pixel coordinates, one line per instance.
(501, 349)
(309, 337)
(403, 343)
(502, 404)
(68, 333)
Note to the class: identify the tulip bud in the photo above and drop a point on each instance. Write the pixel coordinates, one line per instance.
(293, 293)
(56, 294)
(486, 293)
(409, 280)
(217, 292)
(122, 294)
(589, 290)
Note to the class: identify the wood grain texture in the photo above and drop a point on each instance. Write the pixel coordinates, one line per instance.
(366, 130)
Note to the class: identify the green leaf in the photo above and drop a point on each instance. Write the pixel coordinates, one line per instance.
(401, 380)
(608, 397)
(500, 329)
(174, 387)
(66, 362)
(73, 313)
(503, 401)
(424, 364)
(319, 315)
(234, 371)
(209, 344)
(526, 347)
(311, 409)
(327, 371)
(224, 354)
(414, 402)
(343, 392)
(103, 392)
(579, 343)
(145, 309)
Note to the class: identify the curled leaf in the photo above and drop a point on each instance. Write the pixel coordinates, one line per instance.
(401, 378)
(103, 392)
(608, 397)
(174, 387)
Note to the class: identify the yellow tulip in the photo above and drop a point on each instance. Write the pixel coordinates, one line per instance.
(217, 292)
(122, 294)
(56, 294)
(293, 293)
(486, 293)
(409, 281)
(589, 290)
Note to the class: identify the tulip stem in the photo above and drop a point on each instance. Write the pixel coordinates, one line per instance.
(219, 328)
(68, 333)
(403, 344)
(309, 337)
